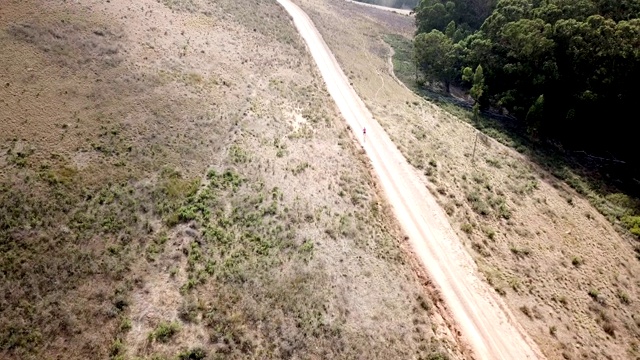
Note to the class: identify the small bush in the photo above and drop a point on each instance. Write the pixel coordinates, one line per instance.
(633, 224)
(520, 252)
(477, 204)
(480, 249)
(466, 227)
(609, 328)
(117, 348)
(563, 300)
(525, 310)
(424, 304)
(515, 284)
(504, 212)
(125, 325)
(491, 234)
(495, 163)
(188, 310)
(449, 209)
(593, 293)
(193, 354)
(164, 331)
(624, 297)
(577, 261)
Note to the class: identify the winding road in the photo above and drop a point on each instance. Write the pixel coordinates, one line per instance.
(483, 320)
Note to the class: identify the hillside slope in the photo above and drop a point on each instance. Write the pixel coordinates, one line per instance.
(561, 268)
(175, 183)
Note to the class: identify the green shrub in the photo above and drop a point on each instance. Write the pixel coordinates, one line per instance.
(466, 227)
(577, 261)
(525, 310)
(633, 224)
(125, 325)
(117, 348)
(193, 354)
(624, 297)
(164, 331)
(520, 252)
(477, 204)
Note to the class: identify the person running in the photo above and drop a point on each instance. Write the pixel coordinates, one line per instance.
(364, 134)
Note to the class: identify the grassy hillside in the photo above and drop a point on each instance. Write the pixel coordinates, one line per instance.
(175, 183)
(561, 268)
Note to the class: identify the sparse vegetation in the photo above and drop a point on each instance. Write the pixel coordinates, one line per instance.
(139, 205)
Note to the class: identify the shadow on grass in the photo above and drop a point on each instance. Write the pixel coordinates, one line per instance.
(610, 185)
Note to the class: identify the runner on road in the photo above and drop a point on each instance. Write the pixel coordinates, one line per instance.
(364, 134)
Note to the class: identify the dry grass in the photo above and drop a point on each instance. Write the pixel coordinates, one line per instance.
(175, 183)
(566, 274)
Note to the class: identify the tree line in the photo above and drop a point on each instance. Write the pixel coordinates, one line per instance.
(569, 70)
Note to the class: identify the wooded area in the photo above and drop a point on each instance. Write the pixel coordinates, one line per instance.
(567, 69)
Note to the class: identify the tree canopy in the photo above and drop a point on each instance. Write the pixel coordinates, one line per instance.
(569, 69)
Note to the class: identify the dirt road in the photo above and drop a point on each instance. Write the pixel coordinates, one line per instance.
(397, 11)
(479, 313)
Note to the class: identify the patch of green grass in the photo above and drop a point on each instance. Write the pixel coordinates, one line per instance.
(402, 59)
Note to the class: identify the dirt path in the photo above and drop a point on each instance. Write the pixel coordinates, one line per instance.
(480, 314)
